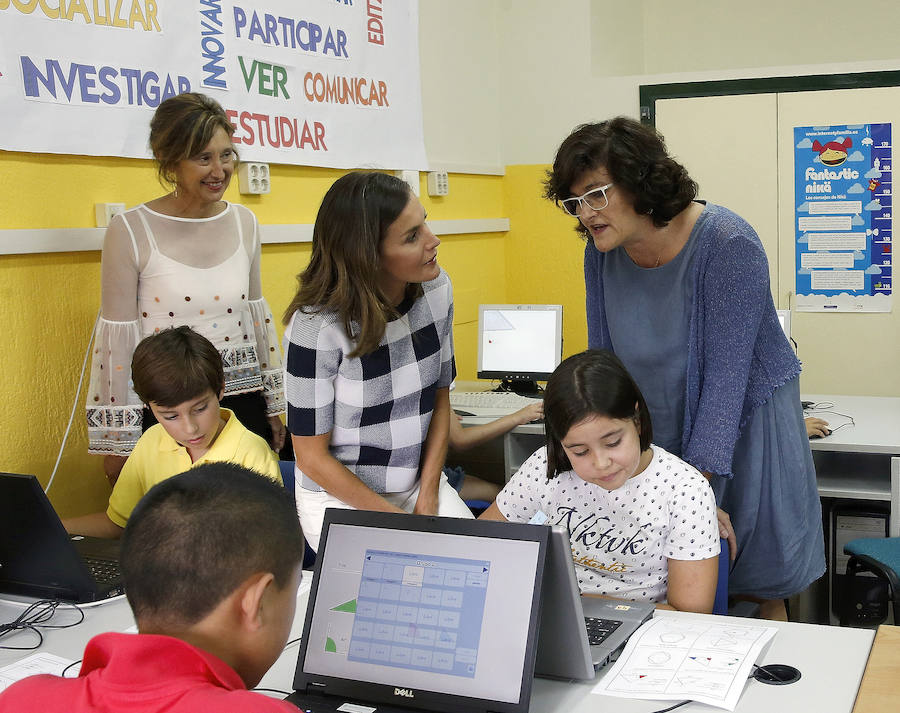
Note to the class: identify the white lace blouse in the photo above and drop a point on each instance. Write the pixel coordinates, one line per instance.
(160, 271)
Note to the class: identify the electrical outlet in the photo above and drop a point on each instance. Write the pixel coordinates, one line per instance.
(438, 183)
(411, 178)
(253, 178)
(104, 212)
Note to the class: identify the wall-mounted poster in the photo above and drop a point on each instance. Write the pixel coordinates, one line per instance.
(843, 218)
(312, 82)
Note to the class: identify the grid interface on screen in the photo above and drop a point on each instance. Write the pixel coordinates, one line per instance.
(419, 612)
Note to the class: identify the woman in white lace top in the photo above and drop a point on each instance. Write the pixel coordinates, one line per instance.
(191, 258)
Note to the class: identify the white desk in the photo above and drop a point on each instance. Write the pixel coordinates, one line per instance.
(859, 461)
(831, 660)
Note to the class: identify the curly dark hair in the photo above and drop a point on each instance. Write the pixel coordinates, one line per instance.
(637, 161)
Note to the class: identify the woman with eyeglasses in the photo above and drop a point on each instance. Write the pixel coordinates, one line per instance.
(679, 290)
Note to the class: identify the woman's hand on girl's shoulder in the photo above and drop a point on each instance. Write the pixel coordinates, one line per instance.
(726, 530)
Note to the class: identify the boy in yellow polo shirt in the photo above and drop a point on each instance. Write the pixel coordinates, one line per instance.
(178, 374)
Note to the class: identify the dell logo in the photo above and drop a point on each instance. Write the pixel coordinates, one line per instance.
(405, 692)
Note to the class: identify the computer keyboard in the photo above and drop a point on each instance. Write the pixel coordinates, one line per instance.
(103, 570)
(599, 629)
(489, 399)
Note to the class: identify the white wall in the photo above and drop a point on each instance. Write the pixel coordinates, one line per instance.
(461, 68)
(554, 56)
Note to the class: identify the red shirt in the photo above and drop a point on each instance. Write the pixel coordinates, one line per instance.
(141, 673)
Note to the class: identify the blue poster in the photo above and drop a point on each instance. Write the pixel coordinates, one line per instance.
(842, 186)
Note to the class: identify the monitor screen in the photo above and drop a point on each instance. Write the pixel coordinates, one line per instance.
(519, 343)
(442, 612)
(784, 318)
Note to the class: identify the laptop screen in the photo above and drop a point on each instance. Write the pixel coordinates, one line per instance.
(446, 612)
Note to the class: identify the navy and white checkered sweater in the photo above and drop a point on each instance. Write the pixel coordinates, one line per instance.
(377, 407)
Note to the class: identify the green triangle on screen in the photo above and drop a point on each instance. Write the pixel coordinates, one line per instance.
(346, 606)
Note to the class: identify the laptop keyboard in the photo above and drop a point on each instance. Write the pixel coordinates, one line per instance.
(599, 629)
(104, 571)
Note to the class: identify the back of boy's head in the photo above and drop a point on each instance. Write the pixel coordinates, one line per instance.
(588, 384)
(195, 537)
(174, 366)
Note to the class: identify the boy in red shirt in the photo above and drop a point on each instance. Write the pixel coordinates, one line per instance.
(211, 560)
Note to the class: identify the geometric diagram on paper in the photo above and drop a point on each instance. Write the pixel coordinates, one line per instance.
(349, 607)
(672, 637)
(643, 679)
(724, 642)
(688, 681)
(658, 658)
(719, 662)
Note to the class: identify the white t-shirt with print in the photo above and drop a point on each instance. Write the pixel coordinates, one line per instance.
(621, 538)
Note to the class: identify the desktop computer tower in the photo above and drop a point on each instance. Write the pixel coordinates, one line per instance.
(868, 600)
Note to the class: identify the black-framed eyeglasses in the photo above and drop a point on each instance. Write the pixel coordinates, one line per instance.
(596, 199)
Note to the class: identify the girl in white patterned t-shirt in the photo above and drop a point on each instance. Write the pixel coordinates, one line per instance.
(642, 522)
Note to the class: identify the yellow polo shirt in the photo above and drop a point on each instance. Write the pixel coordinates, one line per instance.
(158, 456)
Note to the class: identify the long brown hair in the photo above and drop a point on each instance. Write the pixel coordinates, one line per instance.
(342, 274)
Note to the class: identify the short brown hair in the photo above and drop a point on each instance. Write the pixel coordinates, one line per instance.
(182, 127)
(174, 366)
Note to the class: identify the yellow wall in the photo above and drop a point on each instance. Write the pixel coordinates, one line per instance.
(48, 302)
(544, 255)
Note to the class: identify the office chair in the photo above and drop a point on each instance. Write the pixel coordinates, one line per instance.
(881, 557)
(477, 506)
(721, 605)
(287, 477)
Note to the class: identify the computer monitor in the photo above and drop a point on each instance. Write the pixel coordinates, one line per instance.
(519, 344)
(784, 317)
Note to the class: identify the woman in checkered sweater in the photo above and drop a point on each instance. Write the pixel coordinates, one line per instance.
(369, 363)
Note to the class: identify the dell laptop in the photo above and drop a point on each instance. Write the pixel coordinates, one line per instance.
(38, 558)
(579, 635)
(410, 612)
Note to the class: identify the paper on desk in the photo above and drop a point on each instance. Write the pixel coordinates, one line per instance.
(31, 665)
(670, 658)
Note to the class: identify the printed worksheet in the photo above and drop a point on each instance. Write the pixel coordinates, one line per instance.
(34, 664)
(678, 659)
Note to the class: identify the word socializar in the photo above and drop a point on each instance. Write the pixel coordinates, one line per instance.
(112, 13)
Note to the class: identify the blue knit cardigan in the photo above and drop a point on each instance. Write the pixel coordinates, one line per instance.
(737, 352)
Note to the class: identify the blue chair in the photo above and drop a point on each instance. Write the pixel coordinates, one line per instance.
(477, 506)
(720, 605)
(287, 477)
(881, 557)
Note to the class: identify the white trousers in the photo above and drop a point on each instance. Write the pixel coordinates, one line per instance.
(311, 506)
